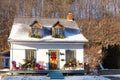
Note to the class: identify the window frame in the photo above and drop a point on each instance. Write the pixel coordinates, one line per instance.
(31, 53)
(70, 57)
(36, 31)
(58, 31)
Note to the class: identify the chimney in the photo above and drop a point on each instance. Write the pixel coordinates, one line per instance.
(70, 17)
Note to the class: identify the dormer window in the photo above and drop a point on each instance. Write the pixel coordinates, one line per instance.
(36, 30)
(58, 30)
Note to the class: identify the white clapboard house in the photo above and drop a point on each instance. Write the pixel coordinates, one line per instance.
(55, 44)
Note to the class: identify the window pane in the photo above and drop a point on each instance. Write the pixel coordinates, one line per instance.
(33, 29)
(70, 55)
(58, 31)
(36, 31)
(39, 32)
(7, 60)
(30, 54)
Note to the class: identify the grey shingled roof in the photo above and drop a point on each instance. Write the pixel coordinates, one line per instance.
(46, 21)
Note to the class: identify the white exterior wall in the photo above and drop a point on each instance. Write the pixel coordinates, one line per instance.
(18, 52)
(80, 55)
(42, 56)
(61, 64)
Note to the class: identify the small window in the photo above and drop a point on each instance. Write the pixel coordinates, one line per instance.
(70, 54)
(6, 62)
(58, 31)
(36, 32)
(30, 54)
(71, 57)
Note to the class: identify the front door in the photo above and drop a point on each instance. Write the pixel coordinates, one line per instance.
(53, 59)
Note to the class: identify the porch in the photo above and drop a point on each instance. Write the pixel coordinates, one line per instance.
(53, 74)
(45, 72)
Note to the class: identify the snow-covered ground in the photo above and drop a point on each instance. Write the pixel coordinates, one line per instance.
(48, 78)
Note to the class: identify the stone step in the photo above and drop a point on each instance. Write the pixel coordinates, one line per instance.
(56, 75)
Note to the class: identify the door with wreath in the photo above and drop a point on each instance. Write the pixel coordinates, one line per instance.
(53, 59)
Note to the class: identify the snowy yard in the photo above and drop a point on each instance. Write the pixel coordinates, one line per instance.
(48, 78)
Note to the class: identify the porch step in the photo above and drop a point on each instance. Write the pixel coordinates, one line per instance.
(56, 75)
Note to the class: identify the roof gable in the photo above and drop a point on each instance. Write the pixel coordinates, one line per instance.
(56, 23)
(36, 24)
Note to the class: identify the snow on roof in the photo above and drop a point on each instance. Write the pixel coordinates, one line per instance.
(20, 30)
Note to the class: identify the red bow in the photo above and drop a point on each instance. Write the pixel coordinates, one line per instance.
(53, 56)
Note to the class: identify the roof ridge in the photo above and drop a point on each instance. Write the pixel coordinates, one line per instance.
(40, 17)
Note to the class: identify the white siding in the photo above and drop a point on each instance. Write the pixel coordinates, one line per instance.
(42, 56)
(17, 55)
(79, 55)
(61, 64)
(18, 52)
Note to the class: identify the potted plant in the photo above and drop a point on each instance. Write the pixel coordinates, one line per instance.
(58, 36)
(71, 63)
(29, 64)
